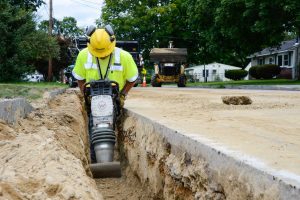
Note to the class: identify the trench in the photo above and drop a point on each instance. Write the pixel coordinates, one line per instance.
(46, 156)
(161, 163)
(172, 165)
(128, 186)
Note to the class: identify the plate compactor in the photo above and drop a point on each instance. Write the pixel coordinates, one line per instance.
(103, 107)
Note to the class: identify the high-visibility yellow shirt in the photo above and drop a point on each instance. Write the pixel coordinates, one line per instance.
(86, 67)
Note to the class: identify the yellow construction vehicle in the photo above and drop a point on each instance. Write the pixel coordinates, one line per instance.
(168, 66)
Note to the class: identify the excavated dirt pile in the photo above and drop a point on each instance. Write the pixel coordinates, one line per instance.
(236, 100)
(45, 156)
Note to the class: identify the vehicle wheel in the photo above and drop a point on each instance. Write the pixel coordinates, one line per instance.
(71, 82)
(154, 82)
(181, 81)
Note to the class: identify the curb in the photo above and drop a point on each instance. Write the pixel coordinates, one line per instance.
(11, 110)
(236, 173)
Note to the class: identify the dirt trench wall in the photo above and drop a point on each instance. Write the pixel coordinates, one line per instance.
(45, 156)
(174, 166)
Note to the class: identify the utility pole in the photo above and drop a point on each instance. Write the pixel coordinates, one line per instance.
(205, 77)
(50, 35)
(297, 59)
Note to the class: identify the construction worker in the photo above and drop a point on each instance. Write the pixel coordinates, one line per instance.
(102, 59)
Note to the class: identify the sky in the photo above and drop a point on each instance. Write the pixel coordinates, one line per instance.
(84, 11)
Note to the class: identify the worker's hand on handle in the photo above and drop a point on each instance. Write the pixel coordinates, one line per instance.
(128, 85)
(124, 92)
(122, 100)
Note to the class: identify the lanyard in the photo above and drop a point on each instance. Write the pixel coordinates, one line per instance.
(107, 69)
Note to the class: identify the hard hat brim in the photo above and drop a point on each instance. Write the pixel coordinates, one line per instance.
(102, 53)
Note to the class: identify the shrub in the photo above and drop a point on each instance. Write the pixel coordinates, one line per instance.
(267, 71)
(236, 74)
(253, 73)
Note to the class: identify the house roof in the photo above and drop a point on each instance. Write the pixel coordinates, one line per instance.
(283, 47)
(211, 65)
(168, 54)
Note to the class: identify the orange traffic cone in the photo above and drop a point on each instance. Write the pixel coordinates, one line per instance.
(144, 82)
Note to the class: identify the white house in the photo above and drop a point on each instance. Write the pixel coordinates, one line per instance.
(214, 72)
(286, 55)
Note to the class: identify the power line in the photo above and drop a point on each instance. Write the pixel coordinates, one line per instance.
(45, 8)
(85, 4)
(91, 2)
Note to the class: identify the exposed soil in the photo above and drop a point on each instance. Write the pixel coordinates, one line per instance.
(45, 156)
(126, 187)
(236, 100)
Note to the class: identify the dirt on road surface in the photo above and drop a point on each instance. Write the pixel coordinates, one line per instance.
(267, 132)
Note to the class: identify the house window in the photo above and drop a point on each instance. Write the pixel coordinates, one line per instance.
(203, 73)
(280, 60)
(271, 60)
(261, 61)
(286, 60)
(214, 72)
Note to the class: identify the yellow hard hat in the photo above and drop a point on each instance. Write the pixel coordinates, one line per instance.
(101, 44)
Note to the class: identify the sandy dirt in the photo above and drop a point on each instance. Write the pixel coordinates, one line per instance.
(267, 131)
(45, 156)
(124, 188)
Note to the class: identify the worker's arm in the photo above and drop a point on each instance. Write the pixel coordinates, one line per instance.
(81, 85)
(130, 74)
(128, 85)
(79, 71)
(124, 92)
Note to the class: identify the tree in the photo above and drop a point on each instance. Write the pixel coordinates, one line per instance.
(224, 30)
(152, 23)
(20, 43)
(63, 31)
(32, 5)
(56, 29)
(232, 30)
(69, 28)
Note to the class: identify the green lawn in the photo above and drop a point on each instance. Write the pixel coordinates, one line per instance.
(248, 82)
(29, 91)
